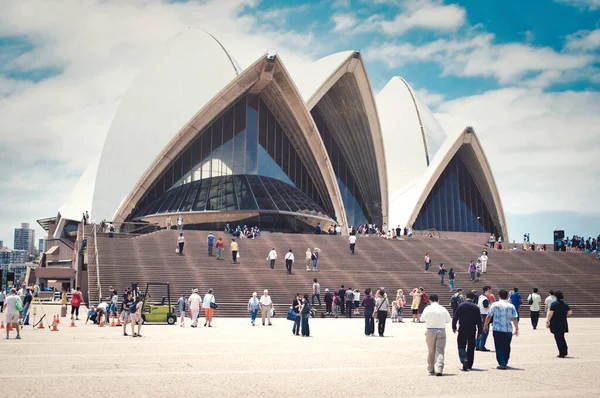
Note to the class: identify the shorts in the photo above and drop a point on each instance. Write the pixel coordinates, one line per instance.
(414, 311)
(356, 304)
(135, 318)
(124, 316)
(12, 318)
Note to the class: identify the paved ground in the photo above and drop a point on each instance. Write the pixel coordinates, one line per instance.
(233, 359)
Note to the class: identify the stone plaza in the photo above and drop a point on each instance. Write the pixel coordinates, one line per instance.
(234, 359)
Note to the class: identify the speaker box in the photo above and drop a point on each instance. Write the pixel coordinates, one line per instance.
(559, 234)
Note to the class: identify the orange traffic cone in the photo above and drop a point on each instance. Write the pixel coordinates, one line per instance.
(57, 320)
(101, 322)
(118, 319)
(72, 325)
(2, 325)
(41, 325)
(112, 321)
(54, 325)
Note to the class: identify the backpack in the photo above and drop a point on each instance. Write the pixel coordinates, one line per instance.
(485, 303)
(425, 298)
(132, 307)
(455, 301)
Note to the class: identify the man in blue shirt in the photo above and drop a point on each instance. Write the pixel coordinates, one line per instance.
(505, 317)
(211, 242)
(516, 300)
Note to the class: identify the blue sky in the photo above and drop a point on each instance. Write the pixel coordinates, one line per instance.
(525, 74)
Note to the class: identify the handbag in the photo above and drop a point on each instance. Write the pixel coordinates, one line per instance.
(291, 315)
(177, 250)
(19, 306)
(214, 306)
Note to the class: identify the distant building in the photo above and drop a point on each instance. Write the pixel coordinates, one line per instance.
(8, 256)
(25, 239)
(1, 244)
(41, 245)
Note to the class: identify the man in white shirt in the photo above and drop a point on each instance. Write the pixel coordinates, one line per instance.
(436, 317)
(12, 313)
(548, 302)
(534, 300)
(179, 223)
(194, 302)
(271, 257)
(338, 230)
(316, 292)
(352, 240)
(265, 305)
(289, 261)
(484, 260)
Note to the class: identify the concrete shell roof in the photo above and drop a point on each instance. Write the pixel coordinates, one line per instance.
(161, 100)
(80, 199)
(410, 132)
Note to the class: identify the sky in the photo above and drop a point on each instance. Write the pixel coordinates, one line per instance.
(524, 74)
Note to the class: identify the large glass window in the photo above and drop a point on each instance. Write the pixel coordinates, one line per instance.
(455, 203)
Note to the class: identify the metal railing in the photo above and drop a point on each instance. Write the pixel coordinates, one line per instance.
(127, 227)
(97, 264)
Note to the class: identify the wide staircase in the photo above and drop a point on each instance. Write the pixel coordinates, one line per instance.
(378, 262)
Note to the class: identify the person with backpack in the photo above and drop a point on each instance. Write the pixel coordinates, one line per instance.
(484, 302)
(135, 316)
(456, 300)
(516, 300)
(296, 304)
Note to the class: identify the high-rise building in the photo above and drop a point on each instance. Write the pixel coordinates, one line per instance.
(25, 238)
(41, 245)
(1, 244)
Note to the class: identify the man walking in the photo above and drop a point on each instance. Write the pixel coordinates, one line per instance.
(436, 317)
(456, 300)
(342, 296)
(470, 325)
(484, 303)
(180, 243)
(349, 301)
(265, 305)
(12, 306)
(194, 302)
(210, 240)
(484, 260)
(534, 301)
(234, 250)
(352, 240)
(548, 302)
(289, 261)
(505, 317)
(328, 302)
(220, 246)
(516, 300)
(316, 292)
(271, 258)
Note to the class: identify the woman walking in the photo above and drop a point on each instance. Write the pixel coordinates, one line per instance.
(400, 303)
(557, 322)
(305, 313)
(253, 308)
(368, 303)
(427, 262)
(76, 300)
(308, 258)
(381, 305)
(442, 273)
(451, 279)
(207, 306)
(296, 304)
(135, 316)
(414, 306)
(472, 271)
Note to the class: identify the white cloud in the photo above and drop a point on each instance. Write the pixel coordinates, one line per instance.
(479, 56)
(343, 22)
(584, 40)
(424, 14)
(582, 4)
(340, 3)
(540, 145)
(50, 129)
(431, 99)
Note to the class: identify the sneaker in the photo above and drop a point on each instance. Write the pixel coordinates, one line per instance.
(501, 367)
(7, 337)
(465, 366)
(438, 374)
(18, 337)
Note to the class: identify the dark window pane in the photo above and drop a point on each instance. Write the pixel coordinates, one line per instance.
(206, 145)
(190, 196)
(252, 136)
(245, 197)
(169, 178)
(201, 200)
(196, 151)
(262, 197)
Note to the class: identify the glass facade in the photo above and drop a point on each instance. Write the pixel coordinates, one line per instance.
(456, 204)
(353, 201)
(248, 140)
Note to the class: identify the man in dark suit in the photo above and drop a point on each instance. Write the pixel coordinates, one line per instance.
(342, 296)
(468, 317)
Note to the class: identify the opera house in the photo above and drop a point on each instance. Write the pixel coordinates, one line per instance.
(197, 136)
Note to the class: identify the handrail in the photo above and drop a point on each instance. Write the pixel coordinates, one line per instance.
(97, 264)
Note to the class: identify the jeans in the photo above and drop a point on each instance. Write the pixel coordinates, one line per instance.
(253, 314)
(272, 264)
(219, 253)
(535, 317)
(25, 315)
(296, 327)
(472, 276)
(352, 247)
(483, 339)
(381, 317)
(349, 304)
(466, 347)
(518, 315)
(305, 327)
(210, 250)
(234, 256)
(315, 262)
(427, 265)
(288, 265)
(181, 248)
(318, 296)
(561, 344)
(442, 279)
(451, 284)
(502, 342)
(369, 322)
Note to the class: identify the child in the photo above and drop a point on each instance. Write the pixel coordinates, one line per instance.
(181, 305)
(478, 271)
(400, 303)
(394, 311)
(356, 302)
